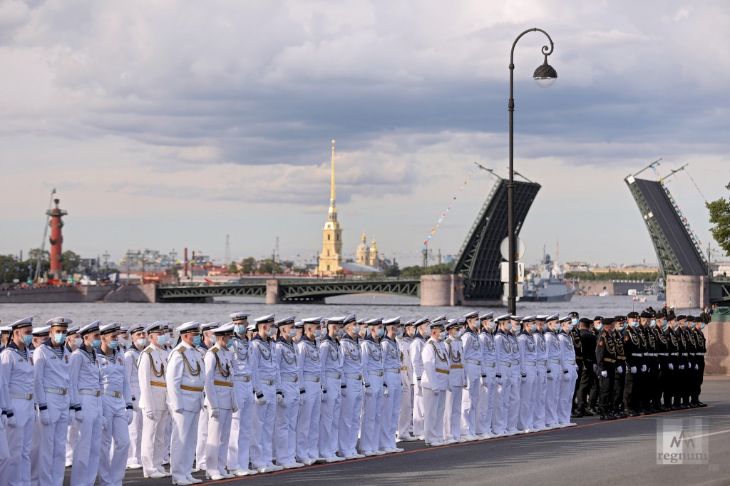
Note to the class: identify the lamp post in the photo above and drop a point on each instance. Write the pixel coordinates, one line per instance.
(545, 76)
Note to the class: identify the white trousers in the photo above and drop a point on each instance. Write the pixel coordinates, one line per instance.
(372, 408)
(405, 419)
(87, 450)
(285, 436)
(418, 410)
(48, 464)
(262, 428)
(135, 431)
(153, 441)
(527, 399)
(567, 389)
(19, 440)
(329, 417)
(391, 410)
(71, 439)
(216, 452)
(452, 413)
(200, 446)
(4, 456)
(485, 407)
(182, 444)
(434, 415)
(238, 446)
(552, 393)
(308, 422)
(350, 417)
(113, 463)
(514, 399)
(470, 399)
(538, 418)
(501, 403)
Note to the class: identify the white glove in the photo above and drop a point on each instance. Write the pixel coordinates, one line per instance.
(70, 417)
(436, 393)
(418, 391)
(368, 391)
(235, 406)
(343, 391)
(130, 416)
(523, 377)
(671, 366)
(658, 366)
(643, 367)
(386, 393)
(595, 369)
(633, 369)
(620, 370)
(484, 381)
(215, 413)
(79, 415)
(12, 421)
(604, 374)
(104, 423)
(178, 410)
(302, 397)
(566, 375)
(697, 367)
(549, 377)
(151, 415)
(261, 400)
(280, 400)
(3, 420)
(681, 367)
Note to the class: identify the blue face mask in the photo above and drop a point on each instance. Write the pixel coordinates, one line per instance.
(114, 344)
(598, 327)
(702, 326)
(691, 326)
(381, 332)
(652, 323)
(96, 343)
(59, 338)
(196, 341)
(27, 339)
(239, 329)
(634, 324)
(664, 324)
(230, 343)
(162, 339)
(355, 329)
(574, 321)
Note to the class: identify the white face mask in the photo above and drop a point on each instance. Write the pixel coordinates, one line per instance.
(78, 342)
(141, 342)
(355, 329)
(533, 327)
(492, 326)
(126, 343)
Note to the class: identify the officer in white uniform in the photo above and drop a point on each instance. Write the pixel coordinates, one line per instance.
(419, 340)
(473, 371)
(308, 418)
(116, 398)
(554, 372)
(243, 379)
(73, 341)
(457, 383)
(351, 390)
(151, 368)
(391, 385)
(541, 356)
(488, 388)
(131, 358)
(292, 388)
(267, 389)
(569, 372)
(207, 340)
(514, 393)
(169, 345)
(372, 364)
(185, 382)
(4, 411)
(435, 381)
(220, 399)
(405, 418)
(51, 383)
(331, 372)
(503, 349)
(528, 374)
(17, 379)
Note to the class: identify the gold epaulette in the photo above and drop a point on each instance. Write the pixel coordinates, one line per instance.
(214, 350)
(181, 350)
(448, 341)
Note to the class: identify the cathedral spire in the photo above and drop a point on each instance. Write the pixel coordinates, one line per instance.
(332, 192)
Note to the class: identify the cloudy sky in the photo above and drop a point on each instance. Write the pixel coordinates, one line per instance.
(169, 124)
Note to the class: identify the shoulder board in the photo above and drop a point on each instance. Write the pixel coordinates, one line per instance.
(600, 342)
(214, 350)
(147, 350)
(181, 350)
(448, 340)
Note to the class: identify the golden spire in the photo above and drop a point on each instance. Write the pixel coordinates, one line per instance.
(364, 239)
(332, 193)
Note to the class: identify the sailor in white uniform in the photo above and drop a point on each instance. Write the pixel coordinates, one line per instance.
(435, 382)
(488, 388)
(331, 372)
(419, 340)
(473, 371)
(405, 418)
(292, 388)
(51, 383)
(528, 374)
(569, 372)
(392, 384)
(221, 402)
(151, 368)
(73, 341)
(554, 372)
(541, 356)
(17, 379)
(185, 378)
(4, 411)
(350, 390)
(513, 413)
(267, 389)
(308, 418)
(243, 379)
(456, 384)
(137, 344)
(169, 343)
(503, 349)
(372, 363)
(207, 340)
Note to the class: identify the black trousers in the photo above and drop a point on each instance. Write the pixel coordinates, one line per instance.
(587, 382)
(605, 385)
(680, 384)
(619, 383)
(581, 367)
(654, 390)
(667, 382)
(631, 395)
(699, 380)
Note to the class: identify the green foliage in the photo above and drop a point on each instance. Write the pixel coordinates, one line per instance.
(440, 269)
(269, 266)
(70, 262)
(393, 271)
(414, 271)
(589, 276)
(248, 265)
(233, 268)
(720, 217)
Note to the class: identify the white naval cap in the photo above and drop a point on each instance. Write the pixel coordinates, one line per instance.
(238, 316)
(157, 326)
(529, 319)
(409, 323)
(59, 321)
(285, 321)
(440, 318)
(42, 331)
(224, 329)
(422, 320)
(374, 322)
(73, 330)
(20, 324)
(251, 326)
(91, 327)
(109, 328)
(192, 326)
(488, 315)
(6, 329)
(553, 317)
(312, 320)
(437, 324)
(395, 321)
(504, 317)
(471, 315)
(541, 317)
(516, 318)
(136, 328)
(123, 329)
(567, 318)
(299, 325)
(362, 320)
(349, 319)
(453, 323)
(265, 319)
(209, 326)
(336, 320)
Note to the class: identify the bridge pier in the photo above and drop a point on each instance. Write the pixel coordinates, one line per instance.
(689, 291)
(272, 292)
(442, 290)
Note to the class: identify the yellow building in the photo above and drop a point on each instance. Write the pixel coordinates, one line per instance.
(330, 260)
(362, 251)
(374, 260)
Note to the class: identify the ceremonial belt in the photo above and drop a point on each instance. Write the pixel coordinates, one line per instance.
(445, 372)
(638, 354)
(191, 388)
(267, 382)
(457, 367)
(609, 360)
(290, 379)
(404, 368)
(353, 377)
(223, 383)
(699, 354)
(91, 393)
(662, 354)
(244, 379)
(375, 373)
(692, 354)
(474, 361)
(161, 384)
(314, 379)
(336, 376)
(22, 396)
(113, 393)
(515, 361)
(134, 384)
(650, 354)
(579, 357)
(505, 363)
(392, 370)
(570, 362)
(673, 354)
(530, 363)
(556, 361)
(542, 362)
(490, 365)
(56, 391)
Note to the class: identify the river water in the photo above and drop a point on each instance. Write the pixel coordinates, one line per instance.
(363, 305)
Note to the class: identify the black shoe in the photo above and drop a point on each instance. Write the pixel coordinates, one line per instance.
(611, 416)
(693, 405)
(577, 415)
(654, 410)
(663, 409)
(589, 413)
(632, 413)
(603, 417)
(621, 415)
(701, 404)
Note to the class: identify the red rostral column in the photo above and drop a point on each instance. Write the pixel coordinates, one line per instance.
(56, 239)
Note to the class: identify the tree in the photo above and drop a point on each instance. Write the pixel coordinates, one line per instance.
(414, 271)
(70, 261)
(720, 217)
(440, 269)
(233, 268)
(248, 265)
(269, 266)
(393, 270)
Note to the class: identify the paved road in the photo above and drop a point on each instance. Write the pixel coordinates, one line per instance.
(621, 452)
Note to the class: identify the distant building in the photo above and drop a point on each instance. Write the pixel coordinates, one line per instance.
(330, 260)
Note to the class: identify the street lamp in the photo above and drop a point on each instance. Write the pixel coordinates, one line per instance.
(544, 76)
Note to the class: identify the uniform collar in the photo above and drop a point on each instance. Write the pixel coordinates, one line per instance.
(500, 331)
(347, 337)
(369, 337)
(256, 337)
(327, 337)
(202, 345)
(12, 345)
(281, 339)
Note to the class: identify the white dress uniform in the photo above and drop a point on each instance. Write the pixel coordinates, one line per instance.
(405, 418)
(503, 350)
(220, 399)
(457, 382)
(392, 382)
(514, 393)
(488, 390)
(434, 381)
(329, 413)
(541, 355)
(4, 452)
(267, 384)
(554, 375)
(372, 405)
(292, 384)
(131, 358)
(116, 398)
(51, 385)
(416, 349)
(201, 447)
(185, 383)
(17, 379)
(473, 357)
(73, 429)
(308, 418)
(153, 400)
(243, 378)
(528, 375)
(568, 376)
(351, 397)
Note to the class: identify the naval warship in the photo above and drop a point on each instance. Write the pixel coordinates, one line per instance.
(547, 284)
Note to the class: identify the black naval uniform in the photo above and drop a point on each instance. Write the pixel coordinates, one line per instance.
(578, 347)
(669, 375)
(620, 379)
(662, 348)
(593, 394)
(588, 378)
(701, 351)
(634, 359)
(642, 384)
(691, 375)
(606, 361)
(679, 398)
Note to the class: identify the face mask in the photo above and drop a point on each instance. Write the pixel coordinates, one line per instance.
(381, 333)
(399, 333)
(442, 336)
(634, 324)
(569, 327)
(427, 333)
(27, 340)
(533, 327)
(492, 326)
(516, 329)
(230, 343)
(96, 343)
(161, 339)
(271, 332)
(141, 342)
(317, 333)
(196, 341)
(59, 338)
(652, 323)
(355, 329)
(574, 321)
(702, 326)
(238, 329)
(78, 342)
(692, 326)
(293, 333)
(114, 344)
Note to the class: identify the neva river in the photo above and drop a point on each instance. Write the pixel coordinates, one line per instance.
(369, 306)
